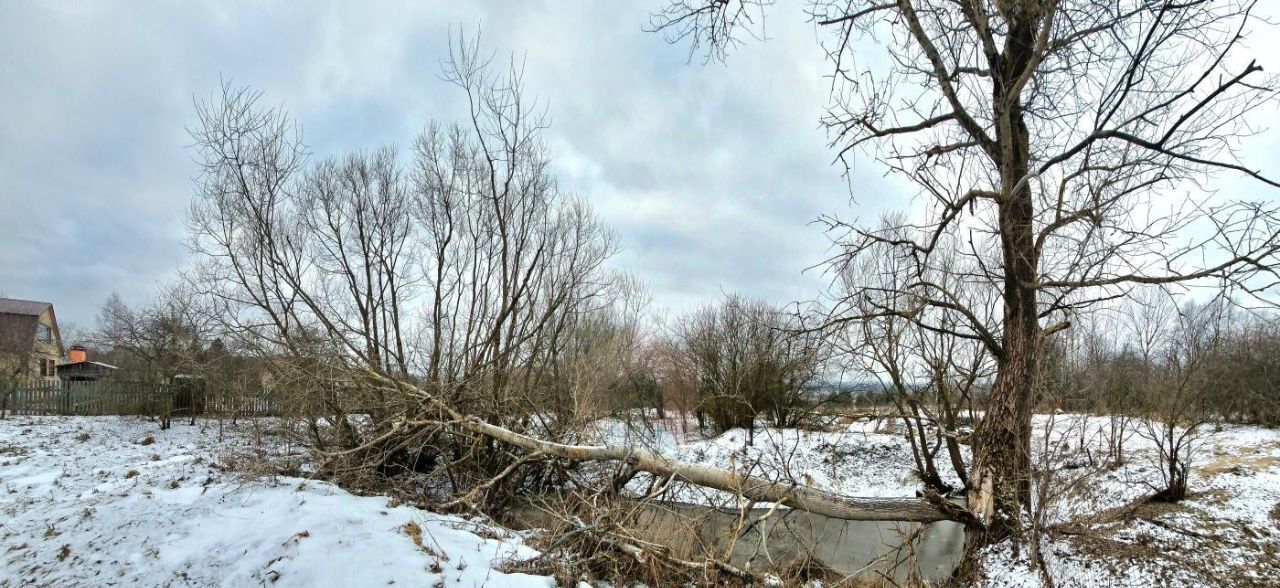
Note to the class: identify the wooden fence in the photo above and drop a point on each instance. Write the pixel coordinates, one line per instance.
(112, 397)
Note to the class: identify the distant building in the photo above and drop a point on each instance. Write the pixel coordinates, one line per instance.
(30, 344)
(78, 368)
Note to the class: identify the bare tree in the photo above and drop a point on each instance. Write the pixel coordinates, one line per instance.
(155, 341)
(464, 269)
(930, 372)
(1244, 370)
(162, 342)
(1043, 135)
(677, 380)
(1148, 315)
(750, 359)
(17, 356)
(1177, 402)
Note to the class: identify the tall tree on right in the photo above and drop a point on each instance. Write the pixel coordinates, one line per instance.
(1064, 149)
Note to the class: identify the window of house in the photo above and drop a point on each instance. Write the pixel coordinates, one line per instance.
(44, 367)
(44, 333)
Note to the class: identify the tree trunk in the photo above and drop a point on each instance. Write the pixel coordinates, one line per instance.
(1000, 479)
(931, 508)
(922, 510)
(1001, 474)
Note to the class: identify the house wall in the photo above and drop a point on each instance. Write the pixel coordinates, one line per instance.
(46, 350)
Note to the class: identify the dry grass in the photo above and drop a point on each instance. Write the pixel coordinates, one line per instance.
(12, 450)
(1253, 458)
(414, 531)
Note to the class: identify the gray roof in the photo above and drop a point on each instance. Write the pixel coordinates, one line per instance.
(22, 307)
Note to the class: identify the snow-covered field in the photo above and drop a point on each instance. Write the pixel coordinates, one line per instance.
(1227, 533)
(107, 501)
(115, 501)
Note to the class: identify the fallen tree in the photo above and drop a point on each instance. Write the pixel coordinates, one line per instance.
(931, 508)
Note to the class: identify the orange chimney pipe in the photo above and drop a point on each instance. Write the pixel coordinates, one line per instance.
(76, 354)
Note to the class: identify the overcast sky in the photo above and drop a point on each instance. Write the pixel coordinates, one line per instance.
(710, 174)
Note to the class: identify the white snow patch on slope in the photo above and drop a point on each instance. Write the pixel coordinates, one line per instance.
(104, 509)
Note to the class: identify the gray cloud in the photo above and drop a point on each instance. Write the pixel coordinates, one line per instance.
(710, 174)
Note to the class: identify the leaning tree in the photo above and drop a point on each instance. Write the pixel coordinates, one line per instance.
(1064, 148)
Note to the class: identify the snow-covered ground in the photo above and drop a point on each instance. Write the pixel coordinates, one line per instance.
(107, 501)
(116, 501)
(1226, 533)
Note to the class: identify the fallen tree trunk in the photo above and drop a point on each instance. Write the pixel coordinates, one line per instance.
(749, 487)
(919, 510)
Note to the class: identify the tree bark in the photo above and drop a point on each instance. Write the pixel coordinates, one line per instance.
(1000, 478)
(1002, 444)
(932, 508)
(918, 510)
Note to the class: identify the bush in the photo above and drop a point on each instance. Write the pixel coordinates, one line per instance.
(750, 359)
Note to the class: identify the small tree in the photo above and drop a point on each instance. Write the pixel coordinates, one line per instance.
(676, 376)
(750, 359)
(1176, 402)
(16, 358)
(459, 265)
(157, 342)
(929, 372)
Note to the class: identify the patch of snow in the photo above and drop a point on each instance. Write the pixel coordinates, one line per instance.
(86, 504)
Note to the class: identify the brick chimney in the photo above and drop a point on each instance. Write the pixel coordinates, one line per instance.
(76, 354)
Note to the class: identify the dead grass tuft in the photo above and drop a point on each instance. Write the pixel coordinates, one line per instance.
(414, 531)
(1254, 460)
(14, 450)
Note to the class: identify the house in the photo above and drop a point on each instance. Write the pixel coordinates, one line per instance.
(30, 344)
(78, 368)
